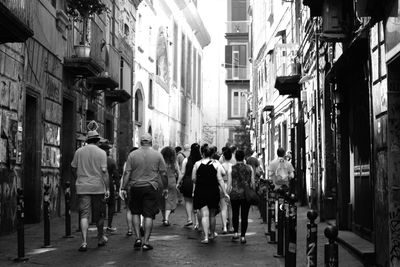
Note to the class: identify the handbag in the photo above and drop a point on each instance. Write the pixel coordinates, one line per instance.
(251, 196)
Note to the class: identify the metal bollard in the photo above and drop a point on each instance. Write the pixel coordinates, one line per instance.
(280, 224)
(312, 231)
(272, 217)
(68, 210)
(46, 215)
(270, 205)
(291, 247)
(20, 226)
(331, 248)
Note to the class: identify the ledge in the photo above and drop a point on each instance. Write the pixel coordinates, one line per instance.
(84, 66)
(102, 83)
(12, 28)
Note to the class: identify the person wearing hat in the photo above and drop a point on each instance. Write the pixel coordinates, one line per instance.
(113, 176)
(143, 168)
(89, 167)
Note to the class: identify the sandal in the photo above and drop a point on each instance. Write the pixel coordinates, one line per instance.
(189, 223)
(204, 241)
(243, 240)
(166, 223)
(146, 247)
(83, 247)
(138, 244)
(129, 233)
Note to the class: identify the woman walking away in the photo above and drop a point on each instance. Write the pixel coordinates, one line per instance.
(172, 172)
(242, 176)
(185, 183)
(226, 209)
(207, 178)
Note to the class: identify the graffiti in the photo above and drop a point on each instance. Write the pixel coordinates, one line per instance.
(53, 112)
(394, 223)
(52, 179)
(52, 134)
(8, 196)
(53, 88)
(51, 156)
(4, 93)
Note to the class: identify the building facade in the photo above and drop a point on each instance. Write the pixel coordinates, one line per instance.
(168, 91)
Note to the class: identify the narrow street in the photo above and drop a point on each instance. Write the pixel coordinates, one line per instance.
(173, 246)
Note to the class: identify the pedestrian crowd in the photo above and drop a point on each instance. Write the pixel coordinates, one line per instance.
(205, 181)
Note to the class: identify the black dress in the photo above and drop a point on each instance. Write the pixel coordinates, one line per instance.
(187, 183)
(206, 192)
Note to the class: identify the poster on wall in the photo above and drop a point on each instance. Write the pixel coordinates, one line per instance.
(52, 134)
(4, 93)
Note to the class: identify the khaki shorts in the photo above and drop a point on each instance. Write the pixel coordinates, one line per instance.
(92, 203)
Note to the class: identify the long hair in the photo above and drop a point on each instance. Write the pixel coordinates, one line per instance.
(195, 154)
(169, 155)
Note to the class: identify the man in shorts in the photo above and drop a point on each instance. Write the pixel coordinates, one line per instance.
(144, 168)
(89, 167)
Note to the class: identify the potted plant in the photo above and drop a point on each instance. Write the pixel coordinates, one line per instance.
(82, 11)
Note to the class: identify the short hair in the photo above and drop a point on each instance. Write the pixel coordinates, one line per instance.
(233, 149)
(207, 151)
(239, 155)
(227, 154)
(178, 149)
(92, 140)
(281, 152)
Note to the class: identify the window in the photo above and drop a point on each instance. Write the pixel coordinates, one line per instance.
(194, 79)
(113, 24)
(189, 68)
(239, 10)
(199, 89)
(151, 93)
(236, 61)
(183, 62)
(138, 107)
(175, 75)
(238, 103)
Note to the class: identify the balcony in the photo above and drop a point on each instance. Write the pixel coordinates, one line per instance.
(237, 27)
(237, 73)
(14, 21)
(287, 70)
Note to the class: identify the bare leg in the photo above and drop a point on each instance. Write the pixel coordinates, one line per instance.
(205, 221)
(213, 222)
(136, 225)
(229, 211)
(224, 214)
(84, 229)
(148, 226)
(129, 219)
(100, 228)
(167, 213)
(189, 208)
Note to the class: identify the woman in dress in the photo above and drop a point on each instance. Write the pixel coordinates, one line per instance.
(207, 179)
(242, 175)
(185, 183)
(171, 198)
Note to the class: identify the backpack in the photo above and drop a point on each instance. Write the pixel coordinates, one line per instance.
(281, 173)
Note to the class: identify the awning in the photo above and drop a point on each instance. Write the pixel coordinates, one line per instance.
(288, 85)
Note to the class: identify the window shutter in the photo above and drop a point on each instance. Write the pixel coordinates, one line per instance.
(228, 56)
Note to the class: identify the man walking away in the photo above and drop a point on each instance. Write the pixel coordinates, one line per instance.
(113, 176)
(92, 186)
(280, 171)
(143, 168)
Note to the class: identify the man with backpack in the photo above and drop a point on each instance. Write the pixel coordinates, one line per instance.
(280, 171)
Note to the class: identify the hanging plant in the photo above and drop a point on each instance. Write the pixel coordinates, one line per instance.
(82, 10)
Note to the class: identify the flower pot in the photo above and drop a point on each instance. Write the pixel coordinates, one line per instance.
(82, 50)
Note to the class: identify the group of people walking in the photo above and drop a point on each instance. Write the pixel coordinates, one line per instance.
(209, 183)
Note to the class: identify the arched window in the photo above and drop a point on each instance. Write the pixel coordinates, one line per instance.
(138, 107)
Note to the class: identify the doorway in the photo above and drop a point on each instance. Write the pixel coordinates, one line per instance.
(31, 178)
(67, 141)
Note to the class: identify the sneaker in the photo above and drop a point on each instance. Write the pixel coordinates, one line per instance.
(235, 237)
(146, 247)
(83, 247)
(102, 241)
(242, 240)
(129, 233)
(111, 229)
(204, 241)
(213, 236)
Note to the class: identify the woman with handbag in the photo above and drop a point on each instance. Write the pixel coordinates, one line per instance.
(185, 183)
(242, 179)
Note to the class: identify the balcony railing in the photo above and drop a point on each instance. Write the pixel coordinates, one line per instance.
(237, 26)
(238, 73)
(285, 59)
